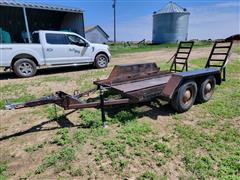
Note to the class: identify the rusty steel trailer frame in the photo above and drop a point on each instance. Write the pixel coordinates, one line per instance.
(135, 83)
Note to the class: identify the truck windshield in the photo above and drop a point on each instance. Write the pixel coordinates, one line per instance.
(35, 38)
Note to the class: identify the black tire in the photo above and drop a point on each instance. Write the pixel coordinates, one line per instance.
(185, 97)
(101, 61)
(24, 68)
(206, 89)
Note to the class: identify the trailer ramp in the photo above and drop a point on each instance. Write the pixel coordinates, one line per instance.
(180, 58)
(219, 55)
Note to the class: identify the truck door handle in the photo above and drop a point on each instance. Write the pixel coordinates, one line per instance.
(49, 49)
(71, 49)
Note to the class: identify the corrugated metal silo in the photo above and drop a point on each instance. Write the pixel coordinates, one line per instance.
(170, 24)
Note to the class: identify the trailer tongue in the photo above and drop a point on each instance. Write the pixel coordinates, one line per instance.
(141, 83)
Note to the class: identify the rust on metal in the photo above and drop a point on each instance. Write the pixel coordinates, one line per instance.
(97, 104)
(170, 87)
(135, 83)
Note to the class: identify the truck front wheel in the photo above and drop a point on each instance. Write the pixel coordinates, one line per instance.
(185, 97)
(101, 61)
(24, 68)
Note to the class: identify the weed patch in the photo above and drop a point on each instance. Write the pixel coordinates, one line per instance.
(35, 147)
(80, 136)
(160, 147)
(125, 116)
(229, 168)
(3, 169)
(76, 171)
(51, 111)
(62, 137)
(90, 119)
(199, 165)
(148, 175)
(224, 142)
(135, 128)
(57, 158)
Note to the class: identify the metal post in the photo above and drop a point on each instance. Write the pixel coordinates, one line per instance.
(114, 14)
(26, 24)
(175, 65)
(224, 74)
(102, 106)
(186, 65)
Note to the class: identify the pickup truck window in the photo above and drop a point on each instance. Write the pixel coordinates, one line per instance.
(35, 38)
(75, 40)
(56, 38)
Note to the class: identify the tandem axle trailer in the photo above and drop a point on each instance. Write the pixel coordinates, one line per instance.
(145, 82)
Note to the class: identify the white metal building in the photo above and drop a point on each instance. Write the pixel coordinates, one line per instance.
(96, 34)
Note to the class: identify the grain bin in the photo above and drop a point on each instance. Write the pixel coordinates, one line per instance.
(170, 24)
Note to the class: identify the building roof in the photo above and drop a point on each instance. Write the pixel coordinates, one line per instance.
(90, 28)
(172, 7)
(17, 3)
(233, 37)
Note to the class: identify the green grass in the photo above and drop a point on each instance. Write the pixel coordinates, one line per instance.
(236, 49)
(59, 159)
(56, 79)
(215, 135)
(121, 48)
(131, 136)
(203, 143)
(3, 169)
(20, 99)
(148, 175)
(80, 136)
(35, 147)
(160, 147)
(13, 88)
(90, 118)
(51, 111)
(62, 137)
(125, 116)
(225, 103)
(199, 165)
(76, 171)
(18, 90)
(219, 145)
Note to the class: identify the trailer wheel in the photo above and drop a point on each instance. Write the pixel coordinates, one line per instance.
(24, 68)
(206, 89)
(101, 61)
(185, 97)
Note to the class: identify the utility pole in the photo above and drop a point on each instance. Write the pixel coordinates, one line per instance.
(114, 14)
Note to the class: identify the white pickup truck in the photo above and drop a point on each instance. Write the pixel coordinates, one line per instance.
(52, 48)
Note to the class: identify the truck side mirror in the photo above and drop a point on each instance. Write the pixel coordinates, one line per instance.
(84, 44)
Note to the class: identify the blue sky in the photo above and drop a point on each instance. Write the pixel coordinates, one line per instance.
(208, 19)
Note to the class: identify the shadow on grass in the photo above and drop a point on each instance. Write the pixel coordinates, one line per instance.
(152, 111)
(146, 109)
(62, 121)
(48, 71)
